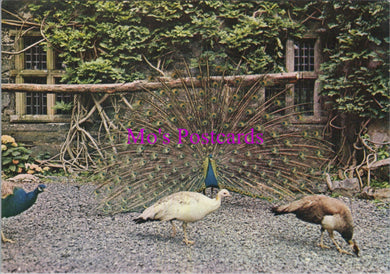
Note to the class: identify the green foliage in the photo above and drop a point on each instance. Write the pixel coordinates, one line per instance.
(356, 74)
(107, 41)
(63, 106)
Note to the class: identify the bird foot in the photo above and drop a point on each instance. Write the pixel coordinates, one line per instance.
(188, 242)
(6, 240)
(344, 251)
(323, 246)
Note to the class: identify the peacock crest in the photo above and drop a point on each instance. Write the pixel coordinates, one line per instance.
(209, 132)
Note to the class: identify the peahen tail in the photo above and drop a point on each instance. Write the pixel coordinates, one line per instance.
(209, 133)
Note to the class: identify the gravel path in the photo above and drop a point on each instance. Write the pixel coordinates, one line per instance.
(61, 233)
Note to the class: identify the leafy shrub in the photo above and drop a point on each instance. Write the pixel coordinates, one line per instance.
(16, 159)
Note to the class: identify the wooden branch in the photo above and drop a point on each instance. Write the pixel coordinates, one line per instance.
(142, 85)
(23, 50)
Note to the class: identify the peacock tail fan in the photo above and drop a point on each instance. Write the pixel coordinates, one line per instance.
(255, 144)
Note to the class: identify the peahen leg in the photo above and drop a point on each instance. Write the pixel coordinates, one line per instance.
(173, 229)
(321, 244)
(185, 235)
(4, 239)
(336, 244)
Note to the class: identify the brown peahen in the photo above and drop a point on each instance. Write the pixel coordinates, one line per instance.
(330, 213)
(209, 132)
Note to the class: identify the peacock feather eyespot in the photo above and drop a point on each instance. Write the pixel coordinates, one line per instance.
(213, 99)
(187, 164)
(285, 123)
(205, 123)
(142, 162)
(240, 170)
(244, 163)
(270, 163)
(173, 119)
(145, 186)
(158, 168)
(277, 174)
(301, 155)
(148, 113)
(169, 161)
(274, 134)
(226, 125)
(198, 131)
(231, 160)
(201, 92)
(259, 128)
(287, 143)
(262, 173)
(285, 160)
(305, 134)
(175, 91)
(255, 97)
(169, 106)
(236, 97)
(166, 150)
(182, 105)
(181, 145)
(199, 77)
(181, 156)
(268, 116)
(230, 109)
(274, 150)
(154, 156)
(318, 153)
(213, 115)
(249, 111)
(215, 84)
(140, 149)
(190, 118)
(199, 108)
(152, 175)
(259, 157)
(241, 124)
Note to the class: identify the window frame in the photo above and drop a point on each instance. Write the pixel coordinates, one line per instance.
(50, 73)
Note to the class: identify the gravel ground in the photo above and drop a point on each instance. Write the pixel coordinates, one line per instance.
(62, 233)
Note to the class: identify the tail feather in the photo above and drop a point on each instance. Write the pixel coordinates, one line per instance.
(140, 220)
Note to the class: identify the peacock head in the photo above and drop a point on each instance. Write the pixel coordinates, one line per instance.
(41, 188)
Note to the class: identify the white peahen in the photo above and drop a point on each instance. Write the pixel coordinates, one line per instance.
(184, 206)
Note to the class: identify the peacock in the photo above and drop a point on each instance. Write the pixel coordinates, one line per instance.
(185, 206)
(15, 200)
(330, 213)
(209, 131)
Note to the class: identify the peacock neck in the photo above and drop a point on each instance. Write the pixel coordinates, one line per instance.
(31, 197)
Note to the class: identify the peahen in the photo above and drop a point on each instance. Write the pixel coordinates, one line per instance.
(15, 200)
(330, 213)
(209, 132)
(184, 206)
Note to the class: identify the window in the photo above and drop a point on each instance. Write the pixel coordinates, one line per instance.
(36, 102)
(304, 96)
(279, 101)
(304, 55)
(35, 57)
(37, 65)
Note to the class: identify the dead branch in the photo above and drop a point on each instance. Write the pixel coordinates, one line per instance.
(142, 84)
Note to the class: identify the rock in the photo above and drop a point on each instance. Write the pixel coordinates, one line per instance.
(372, 193)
